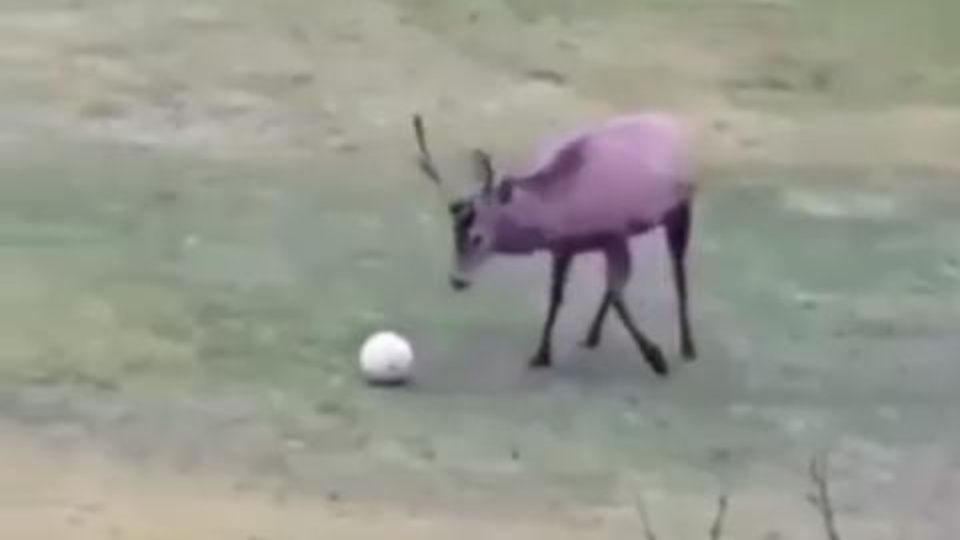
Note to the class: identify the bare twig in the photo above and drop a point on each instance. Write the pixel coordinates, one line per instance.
(716, 531)
(819, 473)
(648, 533)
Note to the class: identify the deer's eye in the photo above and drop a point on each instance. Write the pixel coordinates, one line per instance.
(475, 240)
(460, 209)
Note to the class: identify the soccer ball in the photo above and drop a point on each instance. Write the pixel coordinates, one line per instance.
(386, 358)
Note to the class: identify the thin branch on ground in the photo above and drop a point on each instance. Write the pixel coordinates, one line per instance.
(819, 474)
(716, 531)
(648, 533)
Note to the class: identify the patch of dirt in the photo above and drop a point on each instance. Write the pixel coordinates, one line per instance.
(80, 493)
(249, 81)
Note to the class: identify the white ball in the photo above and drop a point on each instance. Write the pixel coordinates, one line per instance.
(386, 358)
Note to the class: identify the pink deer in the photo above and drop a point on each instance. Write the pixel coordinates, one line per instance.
(590, 191)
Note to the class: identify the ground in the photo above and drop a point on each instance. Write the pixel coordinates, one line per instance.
(207, 206)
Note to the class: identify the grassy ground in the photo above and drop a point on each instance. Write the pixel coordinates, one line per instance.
(206, 207)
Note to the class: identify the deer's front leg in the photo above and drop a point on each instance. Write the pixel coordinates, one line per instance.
(558, 282)
(592, 341)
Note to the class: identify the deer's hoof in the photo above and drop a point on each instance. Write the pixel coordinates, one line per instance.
(540, 360)
(689, 352)
(657, 361)
(591, 342)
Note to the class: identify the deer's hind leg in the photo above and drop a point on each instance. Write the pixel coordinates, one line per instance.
(619, 269)
(677, 228)
(595, 332)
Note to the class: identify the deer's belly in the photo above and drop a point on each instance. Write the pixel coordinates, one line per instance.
(612, 218)
(585, 240)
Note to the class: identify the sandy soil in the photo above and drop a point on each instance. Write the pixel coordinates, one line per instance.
(83, 493)
(258, 80)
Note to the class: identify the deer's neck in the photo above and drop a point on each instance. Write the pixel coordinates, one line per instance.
(519, 228)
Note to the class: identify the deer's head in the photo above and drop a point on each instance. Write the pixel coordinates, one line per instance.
(473, 217)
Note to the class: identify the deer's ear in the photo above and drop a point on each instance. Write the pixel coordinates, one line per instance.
(505, 192)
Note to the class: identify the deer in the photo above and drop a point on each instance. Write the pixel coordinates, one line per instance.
(589, 191)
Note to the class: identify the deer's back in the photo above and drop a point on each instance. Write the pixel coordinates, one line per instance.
(619, 177)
